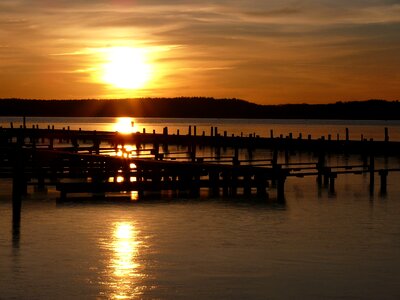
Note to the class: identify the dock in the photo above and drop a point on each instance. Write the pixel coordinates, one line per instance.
(97, 163)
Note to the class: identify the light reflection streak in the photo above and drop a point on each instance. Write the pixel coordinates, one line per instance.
(124, 269)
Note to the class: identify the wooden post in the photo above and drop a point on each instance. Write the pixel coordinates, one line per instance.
(236, 156)
(225, 184)
(247, 184)
(332, 178)
(271, 133)
(347, 134)
(19, 188)
(212, 131)
(371, 174)
(327, 174)
(195, 185)
(386, 134)
(261, 183)
(218, 152)
(234, 184)
(383, 174)
(190, 130)
(275, 157)
(320, 168)
(96, 143)
(287, 158)
(193, 152)
(281, 188)
(156, 151)
(214, 183)
(250, 152)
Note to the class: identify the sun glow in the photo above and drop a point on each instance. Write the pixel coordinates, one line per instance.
(125, 125)
(127, 68)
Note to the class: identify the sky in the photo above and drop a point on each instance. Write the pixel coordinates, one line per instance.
(263, 51)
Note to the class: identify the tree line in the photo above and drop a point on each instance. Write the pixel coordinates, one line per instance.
(199, 107)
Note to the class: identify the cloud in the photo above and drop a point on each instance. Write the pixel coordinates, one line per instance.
(271, 43)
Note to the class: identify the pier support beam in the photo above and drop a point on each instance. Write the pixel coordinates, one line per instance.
(214, 183)
(332, 178)
(383, 174)
(280, 188)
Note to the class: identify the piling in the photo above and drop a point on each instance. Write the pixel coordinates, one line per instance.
(386, 134)
(236, 156)
(320, 168)
(371, 173)
(383, 174)
(332, 178)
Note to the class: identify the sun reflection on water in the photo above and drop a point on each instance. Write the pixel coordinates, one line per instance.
(125, 125)
(124, 268)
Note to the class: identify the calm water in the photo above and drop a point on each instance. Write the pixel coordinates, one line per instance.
(317, 128)
(315, 246)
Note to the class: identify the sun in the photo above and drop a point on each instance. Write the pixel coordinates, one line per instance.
(126, 68)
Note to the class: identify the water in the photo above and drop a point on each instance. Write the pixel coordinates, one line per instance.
(315, 246)
(316, 128)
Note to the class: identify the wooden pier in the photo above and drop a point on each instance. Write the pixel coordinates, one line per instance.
(78, 161)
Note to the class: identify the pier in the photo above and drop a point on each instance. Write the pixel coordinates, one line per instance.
(79, 161)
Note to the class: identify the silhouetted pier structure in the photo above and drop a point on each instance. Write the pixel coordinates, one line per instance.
(76, 161)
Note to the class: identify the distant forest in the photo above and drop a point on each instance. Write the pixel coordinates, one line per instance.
(198, 107)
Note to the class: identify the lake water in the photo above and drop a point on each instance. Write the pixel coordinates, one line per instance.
(314, 246)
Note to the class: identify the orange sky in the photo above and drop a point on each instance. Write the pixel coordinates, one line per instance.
(262, 51)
